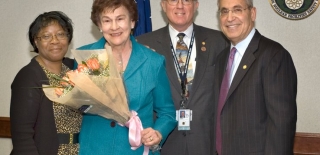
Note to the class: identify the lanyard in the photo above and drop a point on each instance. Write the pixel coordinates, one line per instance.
(183, 73)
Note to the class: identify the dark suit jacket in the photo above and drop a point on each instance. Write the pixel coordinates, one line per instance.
(259, 115)
(196, 141)
(33, 126)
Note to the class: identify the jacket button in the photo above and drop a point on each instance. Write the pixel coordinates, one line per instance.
(184, 134)
(113, 124)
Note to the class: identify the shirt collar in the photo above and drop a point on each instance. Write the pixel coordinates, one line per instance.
(173, 32)
(242, 46)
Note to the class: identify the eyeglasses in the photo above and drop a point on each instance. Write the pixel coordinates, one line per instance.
(236, 11)
(59, 36)
(184, 2)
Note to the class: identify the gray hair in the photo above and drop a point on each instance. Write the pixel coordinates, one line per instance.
(249, 3)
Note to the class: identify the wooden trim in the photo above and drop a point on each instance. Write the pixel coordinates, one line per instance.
(307, 144)
(5, 127)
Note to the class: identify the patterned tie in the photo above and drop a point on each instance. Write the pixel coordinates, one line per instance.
(181, 53)
(223, 94)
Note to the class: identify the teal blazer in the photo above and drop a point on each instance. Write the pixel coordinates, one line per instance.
(148, 91)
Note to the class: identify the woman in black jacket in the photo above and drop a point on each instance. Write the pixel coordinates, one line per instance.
(38, 125)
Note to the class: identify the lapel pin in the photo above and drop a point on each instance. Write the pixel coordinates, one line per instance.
(203, 49)
(244, 67)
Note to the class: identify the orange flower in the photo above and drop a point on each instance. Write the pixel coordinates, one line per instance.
(66, 82)
(82, 67)
(59, 91)
(93, 63)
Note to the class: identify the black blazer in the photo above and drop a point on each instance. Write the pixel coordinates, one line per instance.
(259, 115)
(208, 45)
(33, 126)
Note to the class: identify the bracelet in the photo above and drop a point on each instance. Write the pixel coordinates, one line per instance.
(155, 148)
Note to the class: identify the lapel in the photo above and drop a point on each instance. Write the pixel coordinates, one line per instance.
(202, 57)
(222, 61)
(137, 58)
(164, 42)
(247, 59)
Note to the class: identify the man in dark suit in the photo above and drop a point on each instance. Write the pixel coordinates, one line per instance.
(204, 46)
(258, 113)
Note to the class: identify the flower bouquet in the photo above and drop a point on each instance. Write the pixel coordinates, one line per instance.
(95, 87)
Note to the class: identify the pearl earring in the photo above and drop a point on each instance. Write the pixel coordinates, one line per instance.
(100, 30)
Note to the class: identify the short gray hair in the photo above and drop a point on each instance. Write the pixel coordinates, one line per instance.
(249, 3)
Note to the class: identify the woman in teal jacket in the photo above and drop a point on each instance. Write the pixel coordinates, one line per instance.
(146, 82)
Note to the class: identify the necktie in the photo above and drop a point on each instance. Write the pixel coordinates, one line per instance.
(223, 94)
(181, 54)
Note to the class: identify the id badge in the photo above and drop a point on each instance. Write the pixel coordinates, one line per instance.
(184, 116)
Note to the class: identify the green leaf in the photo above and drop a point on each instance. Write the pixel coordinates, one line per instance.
(96, 72)
(59, 78)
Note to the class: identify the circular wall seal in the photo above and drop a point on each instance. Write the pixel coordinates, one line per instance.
(294, 9)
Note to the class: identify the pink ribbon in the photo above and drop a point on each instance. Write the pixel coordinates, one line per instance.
(135, 128)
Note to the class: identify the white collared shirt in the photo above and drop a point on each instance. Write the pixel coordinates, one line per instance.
(241, 48)
(187, 38)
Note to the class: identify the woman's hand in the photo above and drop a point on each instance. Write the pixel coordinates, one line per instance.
(150, 137)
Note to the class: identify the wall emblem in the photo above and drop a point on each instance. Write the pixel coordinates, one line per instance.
(294, 9)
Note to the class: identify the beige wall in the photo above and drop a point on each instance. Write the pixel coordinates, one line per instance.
(300, 38)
